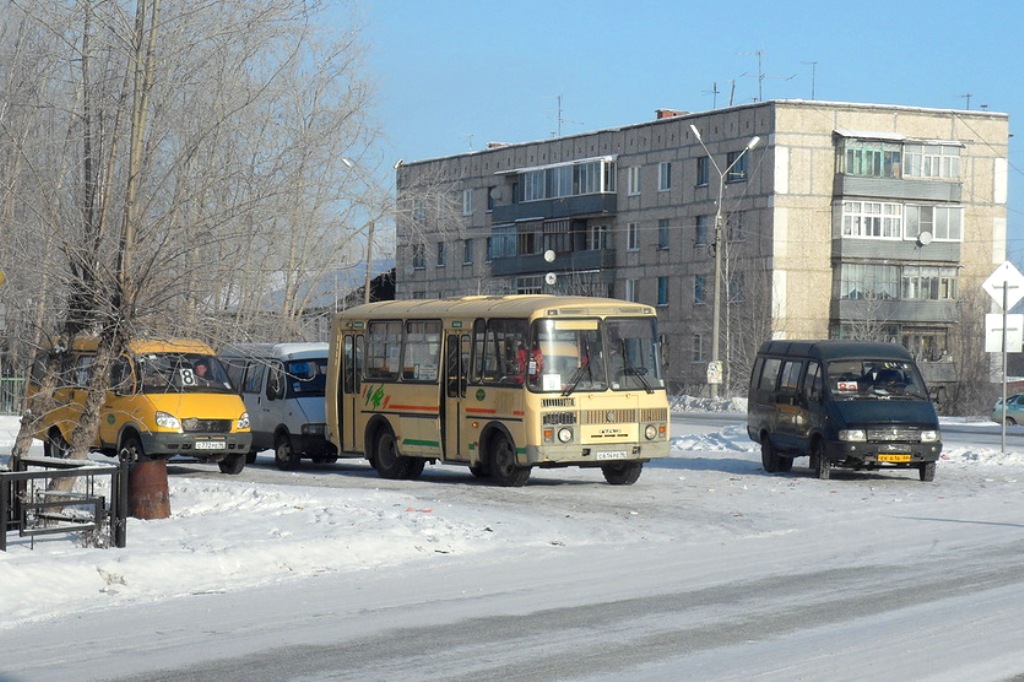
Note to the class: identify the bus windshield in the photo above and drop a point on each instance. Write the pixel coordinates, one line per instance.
(593, 355)
(875, 380)
(181, 373)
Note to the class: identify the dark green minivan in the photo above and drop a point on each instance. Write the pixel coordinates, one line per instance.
(853, 404)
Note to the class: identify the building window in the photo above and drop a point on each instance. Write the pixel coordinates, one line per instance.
(467, 202)
(419, 295)
(664, 176)
(502, 242)
(491, 192)
(633, 180)
(872, 220)
(872, 158)
(663, 291)
(598, 238)
(700, 292)
(419, 210)
(566, 180)
(945, 223)
(631, 291)
(530, 284)
(702, 171)
(736, 162)
(932, 161)
(467, 252)
(419, 256)
(633, 237)
(700, 237)
(928, 283)
(440, 254)
(859, 281)
(489, 250)
(698, 348)
(734, 222)
(663, 234)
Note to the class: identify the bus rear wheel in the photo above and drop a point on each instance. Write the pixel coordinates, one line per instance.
(504, 469)
(56, 445)
(622, 473)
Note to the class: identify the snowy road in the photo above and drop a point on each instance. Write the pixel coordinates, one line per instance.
(706, 569)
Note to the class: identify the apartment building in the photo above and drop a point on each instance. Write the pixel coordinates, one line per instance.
(820, 220)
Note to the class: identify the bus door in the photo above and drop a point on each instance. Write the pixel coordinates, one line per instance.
(456, 372)
(348, 403)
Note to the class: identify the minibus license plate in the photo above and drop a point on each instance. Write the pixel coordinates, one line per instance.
(209, 445)
(612, 454)
(894, 458)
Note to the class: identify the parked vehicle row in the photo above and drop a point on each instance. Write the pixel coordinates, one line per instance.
(499, 384)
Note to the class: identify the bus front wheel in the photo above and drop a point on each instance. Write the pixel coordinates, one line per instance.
(504, 469)
(623, 473)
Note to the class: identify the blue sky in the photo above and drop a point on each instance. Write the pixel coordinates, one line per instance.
(453, 75)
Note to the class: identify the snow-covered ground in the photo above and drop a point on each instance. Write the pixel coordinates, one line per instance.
(229, 535)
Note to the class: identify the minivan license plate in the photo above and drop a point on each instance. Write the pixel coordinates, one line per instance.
(894, 458)
(612, 454)
(209, 445)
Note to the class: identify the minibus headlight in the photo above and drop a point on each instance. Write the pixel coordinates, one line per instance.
(243, 421)
(167, 421)
(313, 429)
(651, 432)
(853, 435)
(930, 436)
(564, 435)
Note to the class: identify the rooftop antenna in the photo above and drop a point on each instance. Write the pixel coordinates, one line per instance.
(561, 120)
(967, 97)
(814, 68)
(761, 75)
(714, 93)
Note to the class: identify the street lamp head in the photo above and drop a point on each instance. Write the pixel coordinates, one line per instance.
(696, 133)
(753, 142)
(348, 162)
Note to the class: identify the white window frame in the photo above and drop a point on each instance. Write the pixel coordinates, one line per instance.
(633, 180)
(633, 237)
(631, 290)
(665, 176)
(467, 202)
(872, 220)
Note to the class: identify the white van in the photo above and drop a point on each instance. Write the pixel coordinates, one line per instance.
(282, 386)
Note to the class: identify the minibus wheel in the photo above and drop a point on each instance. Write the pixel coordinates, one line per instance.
(232, 464)
(285, 456)
(927, 472)
(504, 469)
(769, 459)
(623, 473)
(131, 449)
(819, 462)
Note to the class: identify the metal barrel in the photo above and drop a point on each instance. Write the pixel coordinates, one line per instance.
(148, 496)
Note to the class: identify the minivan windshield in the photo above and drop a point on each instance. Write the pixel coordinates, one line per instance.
(181, 373)
(594, 355)
(875, 380)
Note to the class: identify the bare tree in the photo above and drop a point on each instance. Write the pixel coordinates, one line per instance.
(171, 168)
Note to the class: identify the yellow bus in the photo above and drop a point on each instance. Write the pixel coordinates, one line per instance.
(500, 384)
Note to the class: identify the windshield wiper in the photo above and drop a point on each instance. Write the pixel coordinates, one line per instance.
(577, 376)
(635, 371)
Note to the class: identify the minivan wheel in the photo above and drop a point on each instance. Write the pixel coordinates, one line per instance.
(820, 464)
(769, 459)
(927, 472)
(285, 456)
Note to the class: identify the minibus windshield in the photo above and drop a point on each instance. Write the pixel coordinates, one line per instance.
(181, 373)
(875, 380)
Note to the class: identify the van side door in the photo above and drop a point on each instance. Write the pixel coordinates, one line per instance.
(790, 412)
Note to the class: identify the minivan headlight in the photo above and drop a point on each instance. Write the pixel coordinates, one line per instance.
(853, 435)
(313, 429)
(243, 421)
(930, 436)
(167, 421)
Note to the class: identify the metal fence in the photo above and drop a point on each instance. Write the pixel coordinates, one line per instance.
(12, 392)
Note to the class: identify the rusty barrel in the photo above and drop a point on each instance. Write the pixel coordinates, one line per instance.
(148, 496)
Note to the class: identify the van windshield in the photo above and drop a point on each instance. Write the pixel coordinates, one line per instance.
(307, 378)
(181, 373)
(875, 380)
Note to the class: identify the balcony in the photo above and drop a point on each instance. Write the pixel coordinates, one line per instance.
(897, 188)
(571, 261)
(563, 207)
(903, 250)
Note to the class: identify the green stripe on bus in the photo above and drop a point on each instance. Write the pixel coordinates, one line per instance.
(427, 443)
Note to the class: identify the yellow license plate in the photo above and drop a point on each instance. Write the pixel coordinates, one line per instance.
(895, 458)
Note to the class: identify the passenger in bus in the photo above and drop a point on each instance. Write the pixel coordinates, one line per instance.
(534, 365)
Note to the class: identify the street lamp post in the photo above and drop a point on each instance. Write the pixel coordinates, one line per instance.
(716, 312)
(370, 226)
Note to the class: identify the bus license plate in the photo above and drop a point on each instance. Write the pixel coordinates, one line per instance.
(612, 454)
(209, 445)
(894, 458)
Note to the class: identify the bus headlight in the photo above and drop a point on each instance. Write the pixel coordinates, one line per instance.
(564, 435)
(651, 432)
